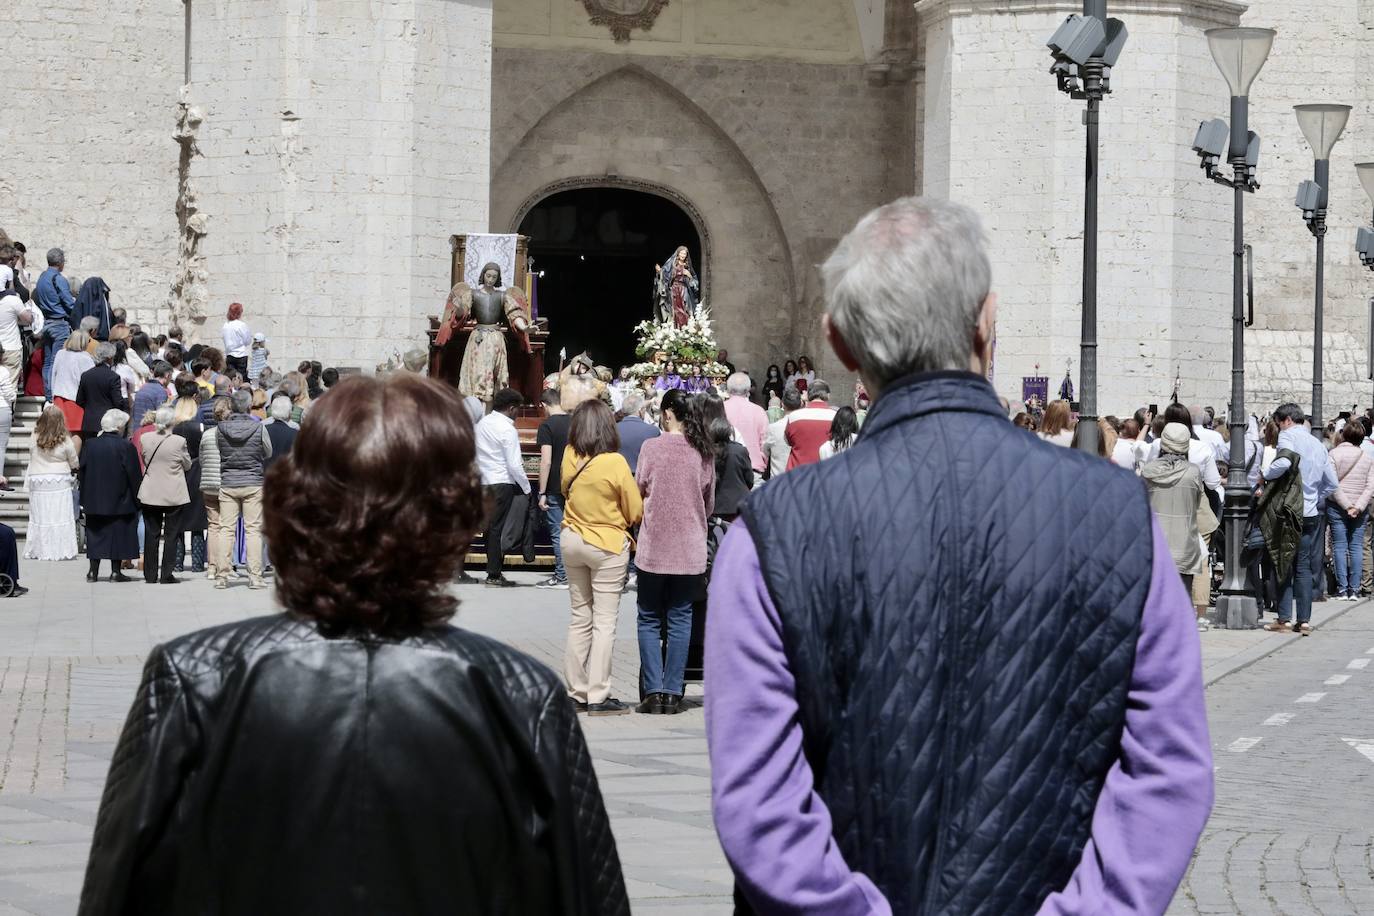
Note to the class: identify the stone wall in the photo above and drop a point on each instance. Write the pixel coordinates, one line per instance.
(90, 163)
(340, 149)
(780, 158)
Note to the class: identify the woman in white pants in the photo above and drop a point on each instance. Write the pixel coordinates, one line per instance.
(53, 461)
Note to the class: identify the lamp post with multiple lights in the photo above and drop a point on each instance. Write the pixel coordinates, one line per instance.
(1085, 48)
(1239, 54)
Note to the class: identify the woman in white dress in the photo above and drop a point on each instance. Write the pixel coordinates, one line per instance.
(53, 460)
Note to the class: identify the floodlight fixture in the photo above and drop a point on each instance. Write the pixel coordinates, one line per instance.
(1113, 43)
(1309, 197)
(1322, 125)
(1364, 244)
(1211, 138)
(1078, 38)
(1239, 55)
(1252, 151)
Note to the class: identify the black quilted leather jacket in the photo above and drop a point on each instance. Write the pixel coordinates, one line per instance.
(267, 768)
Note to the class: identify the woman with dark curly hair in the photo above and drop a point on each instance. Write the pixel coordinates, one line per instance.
(356, 753)
(677, 476)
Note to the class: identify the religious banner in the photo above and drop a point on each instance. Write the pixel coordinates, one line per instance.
(1035, 386)
(620, 16)
(482, 249)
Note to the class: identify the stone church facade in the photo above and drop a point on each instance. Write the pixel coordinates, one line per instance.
(323, 151)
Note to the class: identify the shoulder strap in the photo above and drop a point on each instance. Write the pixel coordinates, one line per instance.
(584, 466)
(149, 462)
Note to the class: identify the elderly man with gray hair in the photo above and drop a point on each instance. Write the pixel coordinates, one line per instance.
(749, 420)
(280, 429)
(99, 390)
(245, 447)
(931, 692)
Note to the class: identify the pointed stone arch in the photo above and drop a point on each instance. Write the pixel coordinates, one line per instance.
(629, 127)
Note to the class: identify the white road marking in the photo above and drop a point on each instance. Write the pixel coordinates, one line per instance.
(1241, 745)
(1359, 663)
(1280, 718)
(1336, 679)
(1310, 698)
(1363, 745)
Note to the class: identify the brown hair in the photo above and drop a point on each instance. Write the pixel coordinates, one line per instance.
(51, 429)
(1023, 420)
(1353, 432)
(1130, 429)
(592, 431)
(356, 544)
(1058, 417)
(215, 357)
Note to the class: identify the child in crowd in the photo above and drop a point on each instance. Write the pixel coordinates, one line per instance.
(257, 356)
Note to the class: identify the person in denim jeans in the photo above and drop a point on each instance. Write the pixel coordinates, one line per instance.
(1318, 482)
(1347, 511)
(677, 476)
(552, 439)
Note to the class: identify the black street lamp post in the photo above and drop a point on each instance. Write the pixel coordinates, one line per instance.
(1322, 126)
(1364, 245)
(1239, 54)
(1085, 49)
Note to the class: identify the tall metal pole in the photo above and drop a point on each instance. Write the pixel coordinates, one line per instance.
(1088, 348)
(1087, 378)
(1237, 509)
(1322, 176)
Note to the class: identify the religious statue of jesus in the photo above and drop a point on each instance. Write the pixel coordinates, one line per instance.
(676, 289)
(493, 308)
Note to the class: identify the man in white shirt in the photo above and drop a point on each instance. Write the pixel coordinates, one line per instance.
(14, 314)
(1202, 428)
(776, 451)
(503, 474)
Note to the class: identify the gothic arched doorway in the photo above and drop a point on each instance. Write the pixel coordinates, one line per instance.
(594, 250)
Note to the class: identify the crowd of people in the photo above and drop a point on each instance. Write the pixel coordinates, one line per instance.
(144, 440)
(924, 693)
(1307, 534)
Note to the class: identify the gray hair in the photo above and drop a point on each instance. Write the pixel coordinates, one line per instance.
(791, 398)
(56, 257)
(291, 388)
(906, 286)
(632, 404)
(819, 389)
(738, 384)
(113, 421)
(281, 408)
(105, 351)
(165, 418)
(89, 324)
(241, 400)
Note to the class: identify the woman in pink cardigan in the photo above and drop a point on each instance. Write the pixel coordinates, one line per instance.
(677, 477)
(1347, 511)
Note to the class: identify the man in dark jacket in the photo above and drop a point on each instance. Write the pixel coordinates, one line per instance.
(99, 390)
(280, 429)
(930, 692)
(244, 449)
(153, 394)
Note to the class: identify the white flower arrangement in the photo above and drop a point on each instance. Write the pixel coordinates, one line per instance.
(692, 344)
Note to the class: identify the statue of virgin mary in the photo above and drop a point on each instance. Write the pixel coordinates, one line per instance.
(676, 290)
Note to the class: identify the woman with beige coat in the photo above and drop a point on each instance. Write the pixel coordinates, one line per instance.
(163, 496)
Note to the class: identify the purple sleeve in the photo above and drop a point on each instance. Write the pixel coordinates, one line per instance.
(774, 828)
(1158, 794)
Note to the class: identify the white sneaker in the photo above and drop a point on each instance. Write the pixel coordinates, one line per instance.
(553, 582)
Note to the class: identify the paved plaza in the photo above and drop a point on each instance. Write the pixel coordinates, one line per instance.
(1292, 726)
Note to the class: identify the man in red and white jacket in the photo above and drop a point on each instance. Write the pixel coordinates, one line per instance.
(809, 427)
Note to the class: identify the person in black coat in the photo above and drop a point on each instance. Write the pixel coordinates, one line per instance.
(110, 478)
(280, 429)
(305, 761)
(99, 391)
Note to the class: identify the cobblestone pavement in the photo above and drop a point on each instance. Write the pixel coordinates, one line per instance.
(1286, 836)
(1293, 828)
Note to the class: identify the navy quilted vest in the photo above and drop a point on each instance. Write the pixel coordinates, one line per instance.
(960, 603)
